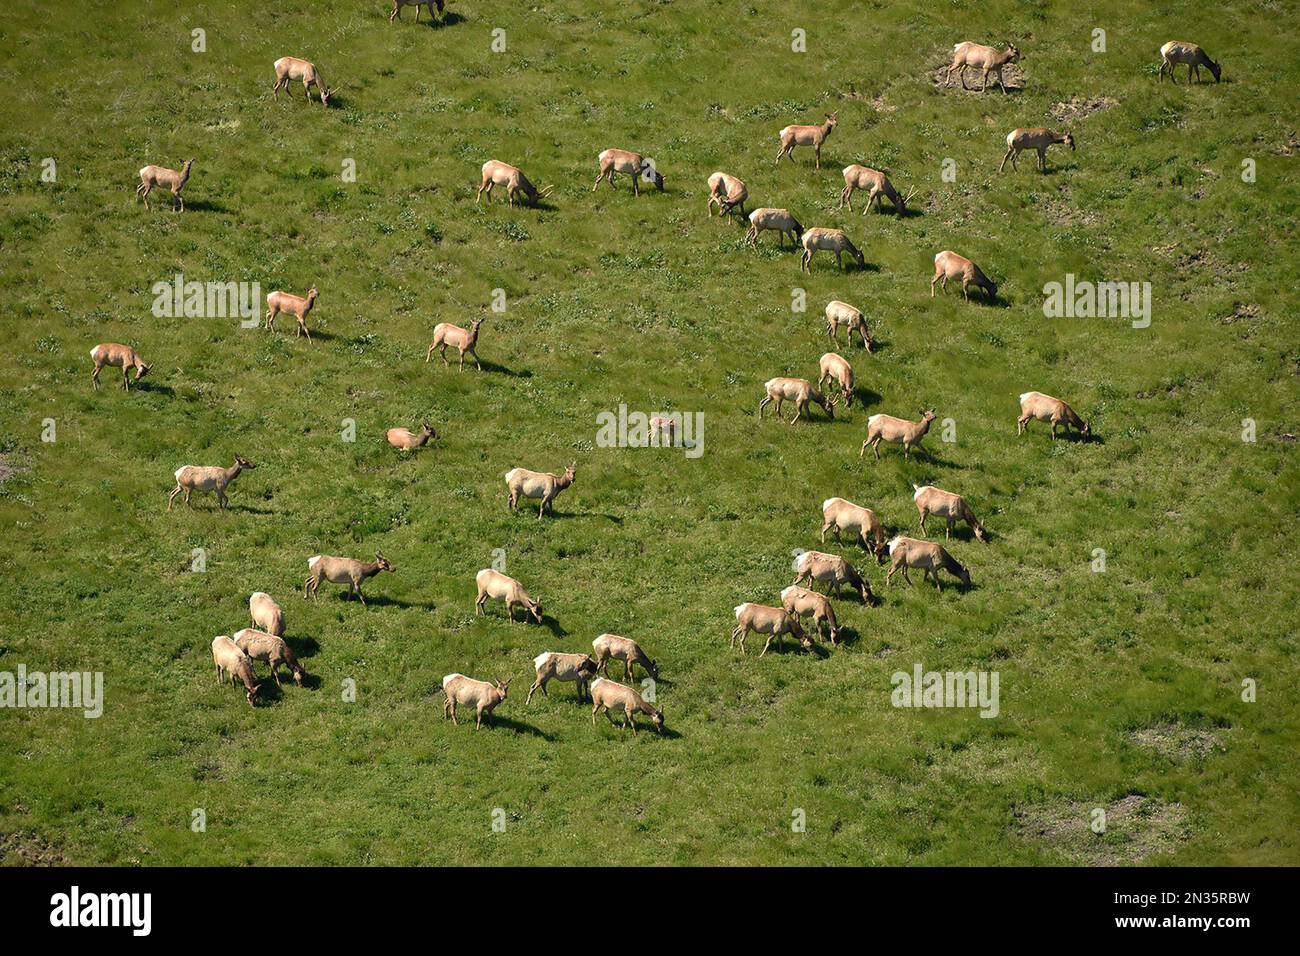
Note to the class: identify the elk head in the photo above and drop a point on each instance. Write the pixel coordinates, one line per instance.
(383, 562)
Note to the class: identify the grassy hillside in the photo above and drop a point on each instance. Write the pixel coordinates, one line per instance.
(1119, 690)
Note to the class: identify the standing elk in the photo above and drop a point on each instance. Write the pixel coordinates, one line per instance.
(834, 570)
(291, 68)
(728, 193)
(797, 390)
(228, 657)
(840, 515)
(836, 368)
(512, 180)
(192, 478)
(929, 556)
(944, 504)
(463, 340)
(1045, 408)
(625, 161)
(265, 614)
(829, 240)
(398, 4)
(483, 696)
(501, 587)
(261, 646)
(607, 695)
(1037, 138)
(854, 319)
(295, 305)
(772, 621)
(612, 647)
(897, 430)
(538, 484)
(814, 136)
(118, 356)
(802, 602)
(1191, 56)
(778, 220)
(570, 668)
(151, 176)
(407, 440)
(983, 58)
(877, 184)
(347, 571)
(949, 265)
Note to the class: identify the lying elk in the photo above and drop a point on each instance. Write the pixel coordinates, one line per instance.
(1036, 138)
(625, 161)
(192, 478)
(929, 556)
(463, 340)
(835, 367)
(854, 319)
(538, 484)
(343, 571)
(801, 602)
(840, 516)
(607, 695)
(877, 184)
(570, 668)
(295, 305)
(728, 193)
(983, 58)
(772, 621)
(897, 430)
(501, 587)
(797, 390)
(483, 696)
(834, 570)
(949, 265)
(118, 356)
(398, 4)
(778, 220)
(291, 68)
(829, 240)
(512, 180)
(1191, 56)
(813, 136)
(407, 440)
(944, 504)
(151, 176)
(1045, 408)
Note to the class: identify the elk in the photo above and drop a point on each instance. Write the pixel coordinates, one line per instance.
(1045, 408)
(625, 161)
(1037, 138)
(897, 430)
(949, 265)
(553, 665)
(778, 220)
(512, 180)
(797, 390)
(406, 440)
(876, 183)
(343, 571)
(830, 240)
(983, 58)
(483, 696)
(118, 356)
(607, 695)
(612, 647)
(538, 484)
(944, 504)
(836, 368)
(501, 587)
(840, 515)
(929, 556)
(151, 176)
(227, 657)
(801, 602)
(854, 319)
(291, 68)
(398, 4)
(813, 136)
(192, 478)
(260, 646)
(297, 306)
(728, 192)
(265, 614)
(834, 570)
(463, 340)
(772, 621)
(1189, 54)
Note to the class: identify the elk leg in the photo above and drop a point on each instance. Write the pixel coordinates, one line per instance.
(94, 376)
(1011, 150)
(477, 364)
(950, 526)
(442, 351)
(818, 150)
(1021, 424)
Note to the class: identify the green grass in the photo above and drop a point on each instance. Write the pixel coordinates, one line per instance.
(646, 302)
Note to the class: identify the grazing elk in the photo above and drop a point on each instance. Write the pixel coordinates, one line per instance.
(538, 484)
(802, 602)
(463, 340)
(840, 515)
(398, 4)
(607, 695)
(501, 587)
(1045, 408)
(260, 646)
(407, 440)
(295, 305)
(512, 180)
(829, 240)
(983, 58)
(929, 556)
(291, 68)
(772, 621)
(571, 668)
(192, 478)
(612, 647)
(797, 390)
(1191, 56)
(949, 265)
(854, 319)
(151, 176)
(728, 193)
(778, 220)
(483, 696)
(118, 356)
(625, 161)
(836, 368)
(343, 571)
(814, 136)
(1038, 138)
(227, 657)
(834, 570)
(897, 430)
(944, 504)
(265, 614)
(877, 184)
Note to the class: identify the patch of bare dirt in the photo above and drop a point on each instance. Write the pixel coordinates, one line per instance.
(1290, 147)
(1177, 742)
(1135, 828)
(8, 468)
(1012, 77)
(26, 848)
(1061, 210)
(1241, 312)
(1081, 107)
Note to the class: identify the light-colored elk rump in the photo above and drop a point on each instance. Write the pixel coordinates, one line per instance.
(571, 668)
(612, 647)
(265, 614)
(398, 4)
(607, 695)
(463, 340)
(948, 506)
(291, 68)
(261, 646)
(852, 318)
(192, 478)
(814, 136)
(1191, 56)
(295, 305)
(802, 602)
(772, 621)
(467, 692)
(407, 440)
(347, 571)
(1045, 408)
(501, 587)
(834, 570)
(797, 390)
(538, 484)
(777, 220)
(169, 179)
(512, 180)
(1038, 139)
(876, 184)
(842, 516)
(118, 356)
(929, 556)
(837, 369)
(949, 265)
(233, 662)
(625, 161)
(828, 240)
(986, 59)
(897, 430)
(728, 193)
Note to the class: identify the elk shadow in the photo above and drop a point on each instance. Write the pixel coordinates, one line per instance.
(206, 205)
(302, 646)
(151, 387)
(496, 369)
(268, 692)
(865, 397)
(518, 726)
(565, 515)
(848, 636)
(249, 509)
(446, 19)
(382, 600)
(552, 625)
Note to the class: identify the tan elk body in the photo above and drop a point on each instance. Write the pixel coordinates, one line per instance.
(464, 691)
(949, 265)
(170, 179)
(832, 569)
(290, 304)
(797, 390)
(814, 136)
(1038, 139)
(728, 193)
(118, 356)
(398, 4)
(571, 668)
(828, 240)
(512, 180)
(948, 506)
(609, 696)
(801, 602)
(1191, 56)
(501, 587)
(986, 59)
(876, 184)
(852, 318)
(612, 647)
(232, 662)
(897, 430)
(1045, 408)
(929, 556)
(407, 440)
(538, 484)
(349, 571)
(776, 220)
(625, 161)
(463, 340)
(260, 646)
(836, 368)
(192, 478)
(842, 516)
(772, 621)
(289, 68)
(265, 614)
